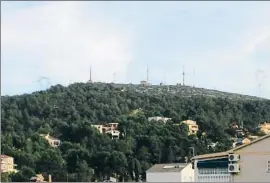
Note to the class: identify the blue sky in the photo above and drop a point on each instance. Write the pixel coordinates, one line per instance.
(223, 45)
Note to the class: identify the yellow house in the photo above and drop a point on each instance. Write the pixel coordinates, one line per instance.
(192, 126)
(7, 164)
(54, 142)
(265, 127)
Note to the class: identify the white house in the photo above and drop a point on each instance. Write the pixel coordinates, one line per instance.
(176, 172)
(159, 118)
(246, 163)
(114, 133)
(54, 142)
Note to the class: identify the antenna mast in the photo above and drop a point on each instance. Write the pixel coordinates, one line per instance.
(90, 79)
(147, 77)
(183, 75)
(193, 77)
(90, 73)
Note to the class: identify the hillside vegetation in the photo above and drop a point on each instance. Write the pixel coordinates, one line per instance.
(68, 112)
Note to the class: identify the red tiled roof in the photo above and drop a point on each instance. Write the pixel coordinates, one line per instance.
(5, 156)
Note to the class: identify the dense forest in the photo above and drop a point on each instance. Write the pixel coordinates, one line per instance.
(86, 155)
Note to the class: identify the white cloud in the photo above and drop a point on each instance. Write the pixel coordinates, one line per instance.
(61, 40)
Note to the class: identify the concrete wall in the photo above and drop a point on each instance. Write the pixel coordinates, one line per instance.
(253, 162)
(188, 174)
(163, 176)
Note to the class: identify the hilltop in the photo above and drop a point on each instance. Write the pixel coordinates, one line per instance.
(185, 91)
(68, 113)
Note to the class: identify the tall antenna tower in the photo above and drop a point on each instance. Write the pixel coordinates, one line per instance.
(90, 78)
(147, 77)
(183, 75)
(193, 77)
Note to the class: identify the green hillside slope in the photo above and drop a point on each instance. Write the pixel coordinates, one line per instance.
(68, 112)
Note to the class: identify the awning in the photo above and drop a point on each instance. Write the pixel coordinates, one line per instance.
(218, 163)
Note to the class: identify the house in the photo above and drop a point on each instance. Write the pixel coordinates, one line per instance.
(253, 137)
(265, 127)
(100, 128)
(40, 178)
(234, 125)
(213, 144)
(106, 127)
(246, 163)
(159, 118)
(192, 127)
(37, 178)
(54, 142)
(109, 128)
(7, 164)
(145, 83)
(176, 172)
(115, 134)
(241, 141)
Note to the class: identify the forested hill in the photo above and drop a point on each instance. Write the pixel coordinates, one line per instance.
(68, 112)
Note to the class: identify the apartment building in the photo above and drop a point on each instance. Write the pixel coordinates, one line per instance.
(7, 164)
(246, 163)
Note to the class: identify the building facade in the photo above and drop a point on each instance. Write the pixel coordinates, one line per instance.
(246, 163)
(254, 161)
(7, 164)
(176, 172)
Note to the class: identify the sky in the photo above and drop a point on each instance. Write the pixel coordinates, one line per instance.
(222, 45)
